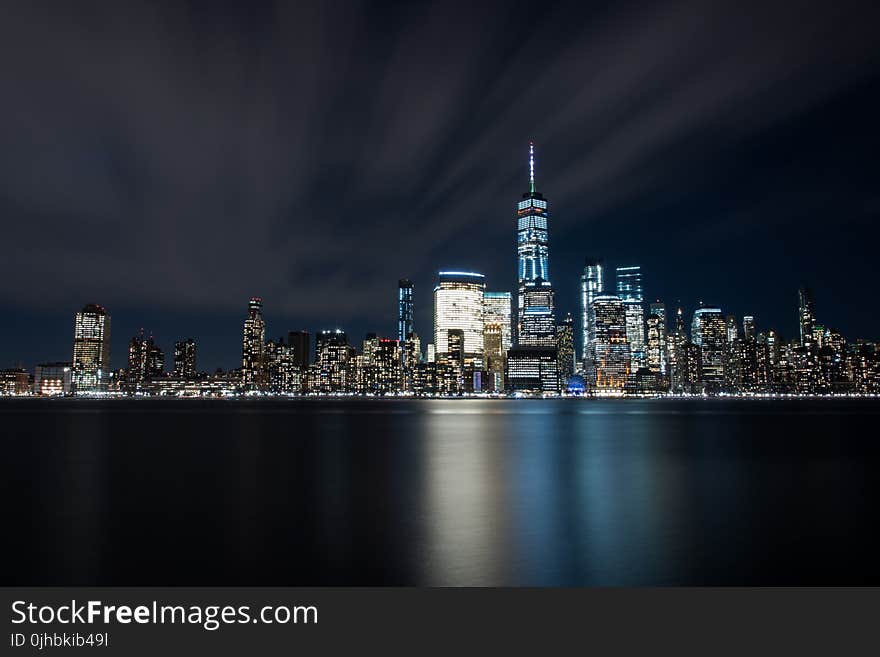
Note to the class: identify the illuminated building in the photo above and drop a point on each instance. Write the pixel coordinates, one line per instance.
(657, 348)
(535, 303)
(185, 358)
(281, 375)
(592, 285)
(497, 336)
(532, 369)
(537, 316)
(565, 350)
(404, 309)
(748, 327)
(629, 291)
(709, 332)
(610, 347)
(806, 316)
(388, 367)
(15, 381)
(458, 305)
(369, 348)
(676, 341)
(91, 350)
(52, 379)
(332, 355)
(252, 347)
(431, 353)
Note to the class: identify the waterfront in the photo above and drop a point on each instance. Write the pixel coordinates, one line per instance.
(440, 492)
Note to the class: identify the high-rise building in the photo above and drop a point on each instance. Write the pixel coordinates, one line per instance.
(565, 350)
(537, 318)
(658, 359)
(185, 358)
(629, 290)
(535, 303)
(610, 347)
(709, 333)
(592, 285)
(299, 343)
(532, 369)
(388, 367)
(458, 305)
(497, 335)
(806, 316)
(404, 309)
(91, 350)
(332, 355)
(146, 361)
(253, 364)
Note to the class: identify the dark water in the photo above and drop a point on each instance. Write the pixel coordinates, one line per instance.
(439, 492)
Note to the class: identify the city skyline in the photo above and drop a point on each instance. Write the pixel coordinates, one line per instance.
(236, 158)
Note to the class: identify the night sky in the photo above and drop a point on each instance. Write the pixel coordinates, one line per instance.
(169, 161)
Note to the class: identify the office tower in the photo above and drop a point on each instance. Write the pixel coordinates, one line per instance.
(677, 340)
(709, 333)
(532, 369)
(654, 351)
(592, 285)
(253, 346)
(732, 328)
(629, 290)
(91, 350)
(388, 367)
(535, 302)
(565, 350)
(497, 309)
(299, 343)
(610, 347)
(748, 327)
(332, 355)
(281, 375)
(497, 336)
(136, 373)
(53, 379)
(458, 305)
(185, 359)
(431, 353)
(404, 309)
(806, 316)
(661, 346)
(369, 347)
(412, 357)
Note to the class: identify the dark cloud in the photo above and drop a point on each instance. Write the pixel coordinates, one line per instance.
(181, 157)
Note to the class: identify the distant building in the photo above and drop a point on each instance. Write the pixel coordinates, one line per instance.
(458, 305)
(592, 285)
(53, 379)
(610, 346)
(332, 356)
(14, 381)
(532, 369)
(299, 343)
(709, 333)
(806, 316)
(629, 290)
(404, 309)
(91, 350)
(253, 375)
(565, 350)
(185, 358)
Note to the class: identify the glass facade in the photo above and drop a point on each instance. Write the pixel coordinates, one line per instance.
(404, 309)
(458, 304)
(592, 285)
(91, 350)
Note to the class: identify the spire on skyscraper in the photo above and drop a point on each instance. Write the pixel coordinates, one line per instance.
(532, 167)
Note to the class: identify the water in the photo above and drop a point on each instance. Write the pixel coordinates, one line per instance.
(439, 492)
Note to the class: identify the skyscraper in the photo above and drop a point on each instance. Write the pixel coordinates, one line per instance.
(806, 316)
(497, 336)
(185, 358)
(629, 290)
(299, 342)
(592, 285)
(535, 304)
(661, 354)
(709, 333)
(458, 304)
(565, 350)
(404, 309)
(91, 349)
(332, 357)
(252, 346)
(609, 346)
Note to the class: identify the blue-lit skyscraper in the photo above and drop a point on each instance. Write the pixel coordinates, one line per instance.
(536, 319)
(629, 290)
(404, 309)
(592, 285)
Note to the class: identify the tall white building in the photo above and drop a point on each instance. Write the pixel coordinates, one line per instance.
(458, 305)
(497, 309)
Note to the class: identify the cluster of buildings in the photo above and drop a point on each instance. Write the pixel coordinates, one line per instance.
(492, 342)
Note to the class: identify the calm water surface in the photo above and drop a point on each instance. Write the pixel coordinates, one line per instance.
(440, 492)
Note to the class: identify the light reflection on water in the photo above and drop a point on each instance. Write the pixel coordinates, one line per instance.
(464, 492)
